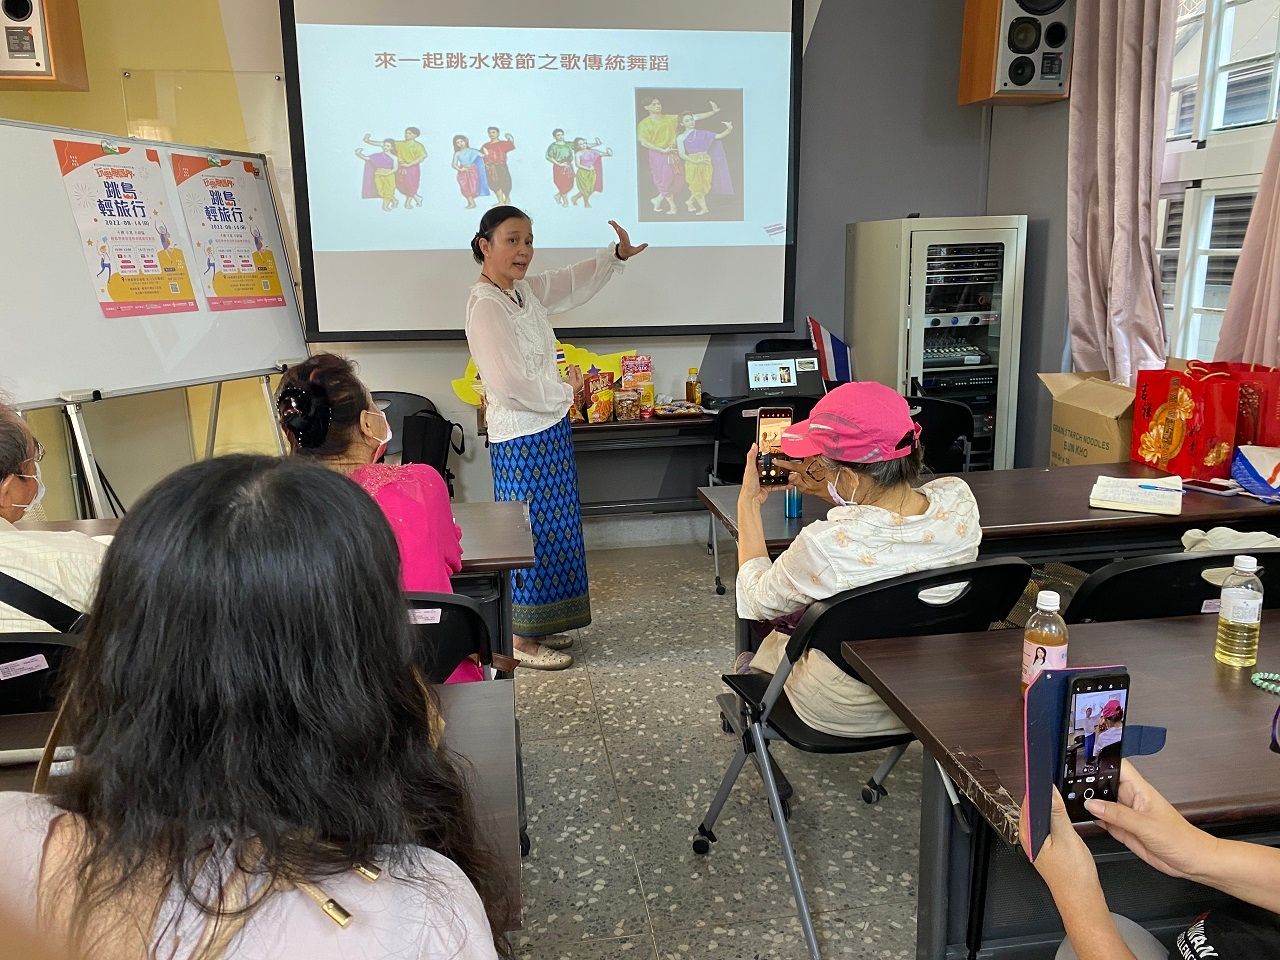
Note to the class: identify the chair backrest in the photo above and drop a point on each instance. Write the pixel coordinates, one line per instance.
(397, 405)
(986, 591)
(450, 628)
(1165, 585)
(946, 426)
(31, 670)
(735, 430)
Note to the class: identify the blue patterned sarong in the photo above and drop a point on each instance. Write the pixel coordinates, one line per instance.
(552, 595)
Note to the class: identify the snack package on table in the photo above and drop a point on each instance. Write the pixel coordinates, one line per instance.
(626, 405)
(637, 374)
(599, 397)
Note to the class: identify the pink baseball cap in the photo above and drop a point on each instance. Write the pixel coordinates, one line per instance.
(864, 422)
(1111, 709)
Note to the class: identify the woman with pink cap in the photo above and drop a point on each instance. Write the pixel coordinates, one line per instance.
(860, 451)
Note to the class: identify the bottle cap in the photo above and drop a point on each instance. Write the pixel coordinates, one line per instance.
(1048, 600)
(693, 371)
(1246, 564)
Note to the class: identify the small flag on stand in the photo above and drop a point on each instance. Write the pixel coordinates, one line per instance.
(834, 356)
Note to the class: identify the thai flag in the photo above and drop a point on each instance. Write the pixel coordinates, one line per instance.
(834, 356)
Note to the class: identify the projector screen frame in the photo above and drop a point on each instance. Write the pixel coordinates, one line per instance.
(306, 261)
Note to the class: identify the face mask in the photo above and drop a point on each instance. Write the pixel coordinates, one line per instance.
(39, 488)
(835, 496)
(382, 446)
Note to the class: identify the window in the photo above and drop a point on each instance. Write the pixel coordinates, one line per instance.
(1205, 266)
(1225, 91)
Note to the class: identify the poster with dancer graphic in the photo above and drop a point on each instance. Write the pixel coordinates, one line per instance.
(226, 206)
(689, 154)
(117, 195)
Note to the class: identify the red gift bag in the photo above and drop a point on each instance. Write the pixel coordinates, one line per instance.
(1258, 417)
(1185, 425)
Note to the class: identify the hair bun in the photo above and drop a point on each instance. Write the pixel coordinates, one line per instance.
(305, 414)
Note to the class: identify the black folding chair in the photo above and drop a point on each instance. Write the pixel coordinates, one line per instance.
(1165, 585)
(396, 405)
(987, 591)
(946, 433)
(44, 658)
(450, 628)
(734, 433)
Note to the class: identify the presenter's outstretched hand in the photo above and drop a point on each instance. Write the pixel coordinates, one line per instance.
(625, 248)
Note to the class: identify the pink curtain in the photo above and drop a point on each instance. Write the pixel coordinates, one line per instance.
(1251, 326)
(1119, 100)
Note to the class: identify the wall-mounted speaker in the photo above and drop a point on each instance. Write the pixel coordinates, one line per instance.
(1016, 51)
(42, 47)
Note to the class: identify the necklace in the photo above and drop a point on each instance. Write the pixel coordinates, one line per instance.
(1267, 681)
(513, 295)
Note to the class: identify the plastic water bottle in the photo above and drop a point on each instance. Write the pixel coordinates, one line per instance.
(1044, 644)
(1240, 616)
(792, 504)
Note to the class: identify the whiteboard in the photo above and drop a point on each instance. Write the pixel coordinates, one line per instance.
(55, 334)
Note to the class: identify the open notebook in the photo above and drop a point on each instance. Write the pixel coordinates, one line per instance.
(1158, 495)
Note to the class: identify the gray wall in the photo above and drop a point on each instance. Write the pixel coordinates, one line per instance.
(882, 137)
(1028, 175)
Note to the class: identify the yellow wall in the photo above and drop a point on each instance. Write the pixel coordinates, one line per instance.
(141, 37)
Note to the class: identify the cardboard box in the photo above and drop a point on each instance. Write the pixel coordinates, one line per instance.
(1092, 418)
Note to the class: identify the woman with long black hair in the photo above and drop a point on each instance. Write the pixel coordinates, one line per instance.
(254, 752)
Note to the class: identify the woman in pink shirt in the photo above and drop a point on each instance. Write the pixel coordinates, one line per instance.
(329, 416)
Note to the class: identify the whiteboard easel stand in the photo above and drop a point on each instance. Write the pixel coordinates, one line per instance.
(216, 401)
(82, 454)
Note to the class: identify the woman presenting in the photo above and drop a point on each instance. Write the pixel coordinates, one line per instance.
(531, 448)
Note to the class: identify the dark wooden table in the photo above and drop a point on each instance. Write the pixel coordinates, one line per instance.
(1041, 515)
(959, 695)
(479, 727)
(662, 459)
(495, 536)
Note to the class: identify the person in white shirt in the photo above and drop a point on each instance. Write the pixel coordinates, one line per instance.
(63, 565)
(530, 443)
(860, 451)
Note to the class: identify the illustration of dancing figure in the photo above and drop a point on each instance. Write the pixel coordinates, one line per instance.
(657, 133)
(409, 154)
(469, 162)
(495, 164)
(560, 156)
(705, 168)
(380, 174)
(589, 162)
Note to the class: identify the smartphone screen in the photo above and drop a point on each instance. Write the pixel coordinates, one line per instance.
(770, 425)
(1097, 707)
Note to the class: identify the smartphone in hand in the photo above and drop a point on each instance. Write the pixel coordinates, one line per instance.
(1093, 742)
(771, 422)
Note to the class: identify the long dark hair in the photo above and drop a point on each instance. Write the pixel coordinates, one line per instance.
(319, 403)
(245, 695)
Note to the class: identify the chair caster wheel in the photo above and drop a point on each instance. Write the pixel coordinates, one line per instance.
(725, 725)
(786, 811)
(701, 846)
(525, 845)
(719, 589)
(872, 792)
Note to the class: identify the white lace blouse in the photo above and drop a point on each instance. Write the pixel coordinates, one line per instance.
(515, 348)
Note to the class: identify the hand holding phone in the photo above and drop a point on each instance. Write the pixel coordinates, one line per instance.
(1093, 741)
(771, 423)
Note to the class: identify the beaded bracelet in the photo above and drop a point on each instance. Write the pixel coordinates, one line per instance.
(1267, 681)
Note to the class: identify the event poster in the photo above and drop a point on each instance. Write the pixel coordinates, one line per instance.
(117, 196)
(226, 204)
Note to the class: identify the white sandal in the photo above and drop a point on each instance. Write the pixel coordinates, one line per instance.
(557, 641)
(545, 659)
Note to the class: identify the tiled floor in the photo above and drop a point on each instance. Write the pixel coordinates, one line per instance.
(622, 754)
